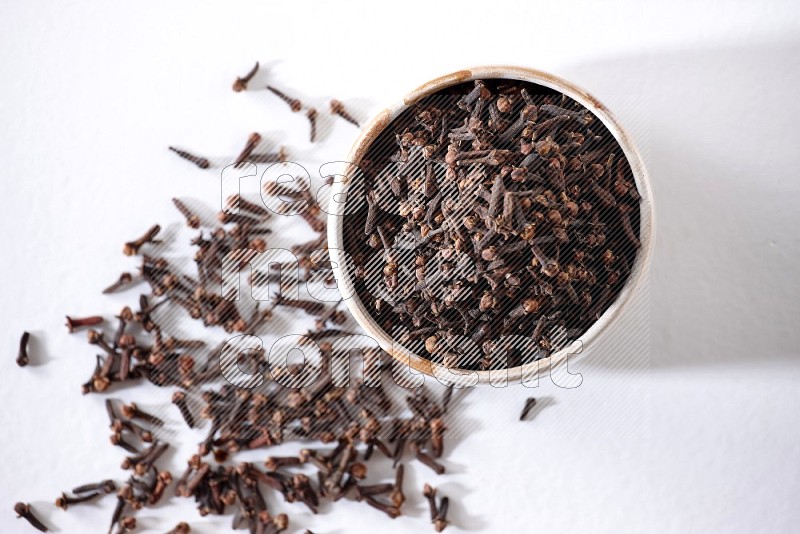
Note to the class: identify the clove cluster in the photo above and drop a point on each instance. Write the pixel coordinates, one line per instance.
(357, 421)
(495, 220)
(354, 425)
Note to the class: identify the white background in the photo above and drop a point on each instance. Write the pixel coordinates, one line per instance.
(698, 433)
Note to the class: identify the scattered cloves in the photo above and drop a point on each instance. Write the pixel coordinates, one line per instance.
(179, 399)
(311, 114)
(131, 248)
(22, 356)
(105, 486)
(388, 509)
(24, 511)
(73, 323)
(529, 404)
(192, 220)
(294, 104)
(181, 528)
(252, 142)
(241, 83)
(427, 460)
(429, 492)
(124, 280)
(203, 163)
(132, 411)
(440, 523)
(337, 108)
(64, 501)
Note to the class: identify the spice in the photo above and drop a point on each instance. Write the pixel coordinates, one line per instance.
(24, 511)
(203, 163)
(252, 142)
(64, 501)
(124, 280)
(358, 423)
(529, 404)
(294, 104)
(337, 108)
(181, 528)
(487, 206)
(192, 220)
(74, 323)
(311, 114)
(106, 486)
(440, 522)
(241, 83)
(131, 248)
(179, 399)
(132, 411)
(22, 356)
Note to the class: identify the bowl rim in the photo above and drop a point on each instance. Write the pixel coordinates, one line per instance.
(528, 371)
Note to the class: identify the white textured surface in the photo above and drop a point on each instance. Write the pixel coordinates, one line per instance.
(699, 435)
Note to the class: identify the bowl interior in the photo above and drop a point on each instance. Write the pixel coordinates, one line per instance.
(349, 184)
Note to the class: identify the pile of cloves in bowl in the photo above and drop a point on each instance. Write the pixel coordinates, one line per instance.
(490, 211)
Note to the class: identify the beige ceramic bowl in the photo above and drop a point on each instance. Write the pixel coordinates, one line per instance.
(384, 118)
